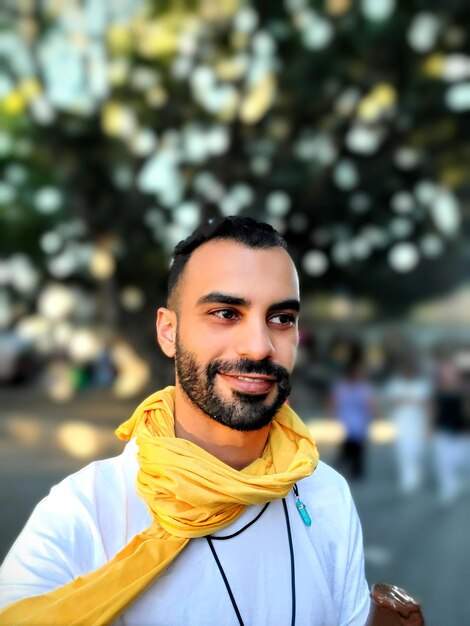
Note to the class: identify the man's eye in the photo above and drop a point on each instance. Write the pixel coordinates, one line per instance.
(225, 314)
(283, 319)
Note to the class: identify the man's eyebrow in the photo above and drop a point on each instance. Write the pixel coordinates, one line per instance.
(216, 297)
(292, 304)
(222, 298)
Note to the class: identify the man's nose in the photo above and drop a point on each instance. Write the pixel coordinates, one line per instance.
(254, 340)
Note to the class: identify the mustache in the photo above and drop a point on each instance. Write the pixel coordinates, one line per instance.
(247, 366)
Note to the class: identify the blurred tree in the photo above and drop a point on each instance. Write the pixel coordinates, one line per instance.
(124, 124)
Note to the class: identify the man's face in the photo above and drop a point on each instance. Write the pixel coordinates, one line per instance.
(236, 334)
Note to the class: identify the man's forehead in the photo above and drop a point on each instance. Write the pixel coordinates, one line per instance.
(232, 267)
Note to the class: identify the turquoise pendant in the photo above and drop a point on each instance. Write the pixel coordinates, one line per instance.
(301, 508)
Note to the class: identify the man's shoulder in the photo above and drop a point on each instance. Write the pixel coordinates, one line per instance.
(327, 475)
(326, 486)
(85, 510)
(101, 471)
(100, 486)
(82, 523)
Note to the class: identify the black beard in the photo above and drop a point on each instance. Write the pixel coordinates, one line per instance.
(244, 412)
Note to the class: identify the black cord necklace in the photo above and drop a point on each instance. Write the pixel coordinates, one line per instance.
(292, 562)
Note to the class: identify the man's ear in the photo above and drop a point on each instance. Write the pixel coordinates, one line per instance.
(166, 330)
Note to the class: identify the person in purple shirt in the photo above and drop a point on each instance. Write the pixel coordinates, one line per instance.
(352, 403)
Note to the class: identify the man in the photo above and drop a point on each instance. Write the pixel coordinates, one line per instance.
(218, 511)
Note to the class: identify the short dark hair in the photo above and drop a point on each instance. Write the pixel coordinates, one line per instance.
(244, 230)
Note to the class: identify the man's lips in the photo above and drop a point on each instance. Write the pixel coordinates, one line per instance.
(255, 384)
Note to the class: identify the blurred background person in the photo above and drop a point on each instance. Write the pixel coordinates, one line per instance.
(448, 422)
(408, 396)
(352, 403)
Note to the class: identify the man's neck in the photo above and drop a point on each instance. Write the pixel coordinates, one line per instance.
(234, 447)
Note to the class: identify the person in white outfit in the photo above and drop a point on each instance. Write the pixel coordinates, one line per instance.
(408, 396)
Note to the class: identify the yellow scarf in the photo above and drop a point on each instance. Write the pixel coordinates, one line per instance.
(190, 494)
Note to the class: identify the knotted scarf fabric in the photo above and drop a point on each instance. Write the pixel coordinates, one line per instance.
(190, 493)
